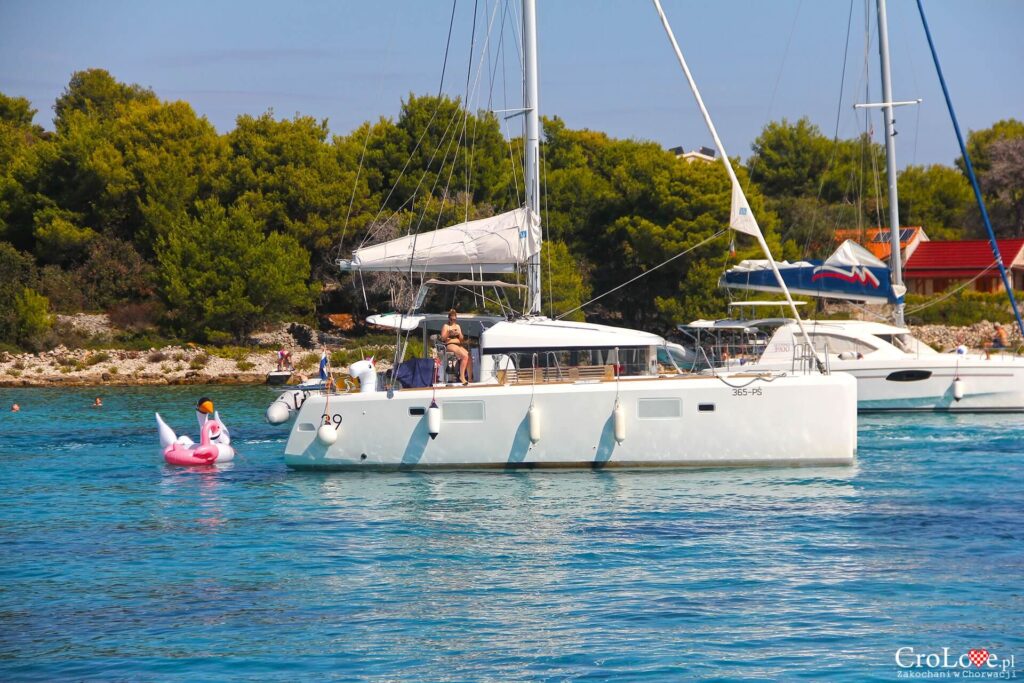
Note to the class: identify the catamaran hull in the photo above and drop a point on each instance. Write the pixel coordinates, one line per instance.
(993, 386)
(697, 422)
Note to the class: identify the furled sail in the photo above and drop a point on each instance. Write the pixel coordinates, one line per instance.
(499, 244)
(852, 273)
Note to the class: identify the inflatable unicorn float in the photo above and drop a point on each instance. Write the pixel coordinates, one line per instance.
(214, 445)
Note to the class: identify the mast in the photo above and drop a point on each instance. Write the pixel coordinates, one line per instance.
(532, 151)
(895, 264)
(741, 217)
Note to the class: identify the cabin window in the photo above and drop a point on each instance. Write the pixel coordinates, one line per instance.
(903, 342)
(909, 375)
(658, 408)
(557, 362)
(839, 344)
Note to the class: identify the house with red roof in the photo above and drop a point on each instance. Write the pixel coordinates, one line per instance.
(938, 266)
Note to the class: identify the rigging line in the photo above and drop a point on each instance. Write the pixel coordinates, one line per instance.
(366, 142)
(465, 112)
(647, 272)
(476, 119)
(835, 134)
(546, 227)
(508, 133)
(430, 162)
(465, 118)
(504, 96)
(950, 293)
(426, 128)
(875, 175)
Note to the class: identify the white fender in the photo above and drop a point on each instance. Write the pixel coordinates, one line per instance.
(533, 416)
(278, 412)
(433, 420)
(619, 417)
(327, 434)
(167, 435)
(958, 389)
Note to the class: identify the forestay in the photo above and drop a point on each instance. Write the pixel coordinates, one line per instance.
(499, 244)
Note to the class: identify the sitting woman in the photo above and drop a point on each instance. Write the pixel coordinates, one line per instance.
(455, 343)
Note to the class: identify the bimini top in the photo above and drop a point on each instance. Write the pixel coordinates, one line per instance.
(544, 333)
(499, 244)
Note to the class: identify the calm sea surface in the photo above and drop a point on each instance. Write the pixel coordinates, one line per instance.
(115, 566)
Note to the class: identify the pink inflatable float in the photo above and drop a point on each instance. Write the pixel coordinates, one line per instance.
(214, 445)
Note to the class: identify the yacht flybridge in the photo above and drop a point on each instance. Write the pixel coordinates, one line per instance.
(553, 393)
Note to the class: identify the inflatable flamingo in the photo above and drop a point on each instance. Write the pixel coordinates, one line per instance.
(214, 440)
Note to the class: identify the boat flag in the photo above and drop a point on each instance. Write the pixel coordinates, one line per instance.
(323, 366)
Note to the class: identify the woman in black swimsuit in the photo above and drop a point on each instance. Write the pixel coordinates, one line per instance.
(455, 342)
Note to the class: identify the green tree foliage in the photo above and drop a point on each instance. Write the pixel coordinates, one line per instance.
(627, 206)
(17, 270)
(58, 239)
(565, 283)
(33, 319)
(97, 94)
(133, 198)
(817, 185)
(997, 154)
(220, 273)
(17, 135)
(789, 160)
(937, 198)
(290, 177)
(448, 150)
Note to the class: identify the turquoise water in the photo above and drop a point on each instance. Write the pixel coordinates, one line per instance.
(114, 566)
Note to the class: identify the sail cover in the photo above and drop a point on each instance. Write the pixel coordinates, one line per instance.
(851, 273)
(499, 244)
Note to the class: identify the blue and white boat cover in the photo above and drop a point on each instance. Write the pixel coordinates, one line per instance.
(851, 273)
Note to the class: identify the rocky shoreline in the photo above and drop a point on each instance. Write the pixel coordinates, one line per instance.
(171, 365)
(190, 364)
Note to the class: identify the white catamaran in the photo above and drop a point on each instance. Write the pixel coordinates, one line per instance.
(895, 371)
(551, 393)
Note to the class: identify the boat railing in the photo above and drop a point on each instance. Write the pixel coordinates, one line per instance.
(544, 375)
(806, 359)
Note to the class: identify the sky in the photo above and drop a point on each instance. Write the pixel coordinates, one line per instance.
(604, 64)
